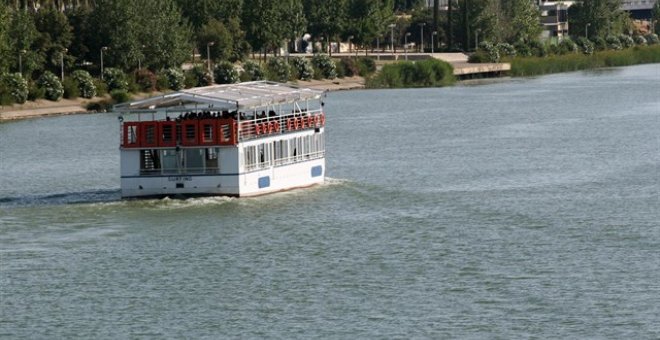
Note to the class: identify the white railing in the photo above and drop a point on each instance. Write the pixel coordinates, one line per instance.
(278, 124)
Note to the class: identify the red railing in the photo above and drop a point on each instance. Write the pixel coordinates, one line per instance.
(206, 132)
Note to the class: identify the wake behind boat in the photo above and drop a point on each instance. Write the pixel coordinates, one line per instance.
(238, 140)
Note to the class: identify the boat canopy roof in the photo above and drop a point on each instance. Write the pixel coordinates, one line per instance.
(229, 96)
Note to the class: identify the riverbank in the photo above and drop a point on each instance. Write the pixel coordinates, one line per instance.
(534, 66)
(42, 107)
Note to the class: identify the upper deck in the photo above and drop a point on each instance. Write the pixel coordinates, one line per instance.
(220, 115)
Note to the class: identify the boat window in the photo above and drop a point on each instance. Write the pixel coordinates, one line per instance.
(194, 160)
(168, 136)
(132, 134)
(250, 157)
(169, 161)
(208, 132)
(149, 162)
(212, 160)
(150, 134)
(190, 132)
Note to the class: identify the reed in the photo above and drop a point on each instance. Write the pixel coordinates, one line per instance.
(531, 66)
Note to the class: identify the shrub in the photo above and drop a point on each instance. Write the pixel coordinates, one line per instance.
(600, 44)
(367, 66)
(490, 50)
(199, 76)
(5, 98)
(85, 82)
(35, 92)
(538, 49)
(523, 49)
(426, 73)
(626, 41)
(586, 46)
(51, 85)
(326, 66)
(175, 78)
(347, 67)
(640, 40)
(302, 68)
(277, 69)
(340, 70)
(613, 43)
(101, 87)
(225, 73)
(567, 46)
(479, 56)
(505, 49)
(70, 88)
(652, 39)
(120, 96)
(115, 79)
(16, 87)
(252, 71)
(100, 106)
(146, 80)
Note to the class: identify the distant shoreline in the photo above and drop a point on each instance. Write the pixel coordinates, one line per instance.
(45, 108)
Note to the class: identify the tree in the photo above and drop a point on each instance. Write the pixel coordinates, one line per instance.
(326, 18)
(367, 19)
(524, 21)
(151, 32)
(407, 5)
(82, 32)
(471, 16)
(655, 14)
(164, 35)
(217, 38)
(604, 17)
(5, 51)
(200, 12)
(264, 23)
(294, 18)
(24, 37)
(55, 36)
(118, 25)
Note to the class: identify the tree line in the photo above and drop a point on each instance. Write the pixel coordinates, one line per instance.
(40, 35)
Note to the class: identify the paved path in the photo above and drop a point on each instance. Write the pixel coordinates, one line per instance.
(42, 108)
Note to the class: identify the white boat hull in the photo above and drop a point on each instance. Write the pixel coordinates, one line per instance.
(253, 183)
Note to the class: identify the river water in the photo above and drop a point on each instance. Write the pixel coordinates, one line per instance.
(520, 208)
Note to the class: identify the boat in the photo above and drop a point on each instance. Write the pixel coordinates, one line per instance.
(240, 140)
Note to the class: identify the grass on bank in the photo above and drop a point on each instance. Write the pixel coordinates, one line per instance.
(426, 73)
(532, 66)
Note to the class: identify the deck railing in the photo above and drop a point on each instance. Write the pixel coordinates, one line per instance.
(214, 131)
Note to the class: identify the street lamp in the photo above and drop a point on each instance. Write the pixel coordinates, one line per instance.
(405, 44)
(433, 41)
(476, 39)
(349, 44)
(208, 57)
(586, 30)
(140, 59)
(378, 47)
(391, 26)
(104, 48)
(62, 61)
(421, 35)
(20, 61)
